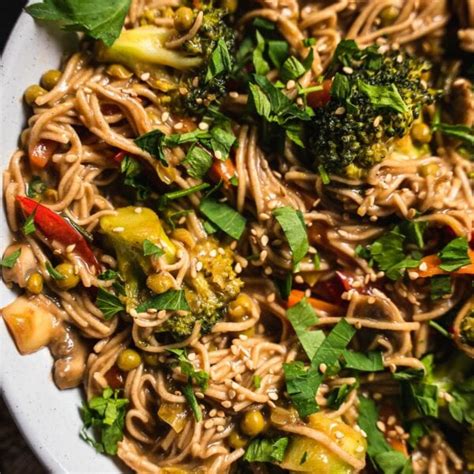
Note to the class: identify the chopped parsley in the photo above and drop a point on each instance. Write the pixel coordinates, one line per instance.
(105, 415)
(440, 285)
(201, 377)
(192, 401)
(149, 248)
(36, 187)
(266, 450)
(455, 255)
(29, 225)
(54, 274)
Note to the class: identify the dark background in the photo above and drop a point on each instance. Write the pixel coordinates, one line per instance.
(9, 11)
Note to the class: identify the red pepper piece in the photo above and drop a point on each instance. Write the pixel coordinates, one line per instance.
(54, 227)
(222, 170)
(119, 156)
(320, 98)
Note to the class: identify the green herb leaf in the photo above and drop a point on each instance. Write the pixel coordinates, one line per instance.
(461, 407)
(293, 226)
(266, 450)
(455, 255)
(370, 361)
(153, 142)
(198, 161)
(36, 187)
(302, 317)
(378, 449)
(29, 225)
(224, 217)
(132, 170)
(201, 377)
(108, 275)
(440, 286)
(164, 200)
(277, 52)
(108, 303)
(337, 396)
(461, 132)
(257, 381)
(8, 262)
(259, 63)
(149, 248)
(55, 275)
(219, 62)
(172, 300)
(222, 140)
(384, 96)
(341, 87)
(192, 402)
(100, 19)
(106, 416)
(284, 286)
(324, 174)
(422, 396)
(292, 69)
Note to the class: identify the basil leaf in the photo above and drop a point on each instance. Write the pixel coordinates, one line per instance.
(224, 217)
(292, 223)
(461, 407)
(219, 62)
(152, 142)
(454, 255)
(302, 317)
(370, 361)
(108, 275)
(108, 303)
(337, 396)
(55, 275)
(201, 377)
(422, 396)
(384, 96)
(149, 248)
(177, 139)
(198, 162)
(440, 286)
(284, 286)
(172, 300)
(292, 69)
(277, 52)
(100, 19)
(266, 450)
(222, 140)
(9, 262)
(132, 169)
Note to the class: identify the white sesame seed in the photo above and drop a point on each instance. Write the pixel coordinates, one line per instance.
(221, 251)
(227, 404)
(391, 420)
(299, 279)
(323, 367)
(218, 154)
(178, 126)
(273, 396)
(377, 396)
(243, 337)
(339, 434)
(268, 271)
(70, 248)
(165, 116)
(213, 253)
(340, 111)
(271, 297)
(423, 266)
(138, 210)
(264, 240)
(220, 429)
(234, 94)
(208, 424)
(133, 313)
(145, 76)
(198, 266)
(238, 268)
(381, 426)
(203, 126)
(213, 413)
(118, 229)
(348, 70)
(290, 84)
(377, 120)
(192, 356)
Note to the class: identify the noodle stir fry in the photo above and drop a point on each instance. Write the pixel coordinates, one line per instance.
(246, 230)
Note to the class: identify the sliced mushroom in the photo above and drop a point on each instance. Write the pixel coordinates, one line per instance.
(25, 264)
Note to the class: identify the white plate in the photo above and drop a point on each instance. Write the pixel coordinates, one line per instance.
(48, 418)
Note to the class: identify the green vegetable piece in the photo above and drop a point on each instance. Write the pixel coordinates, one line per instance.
(100, 19)
(9, 262)
(172, 300)
(224, 217)
(294, 228)
(266, 450)
(108, 303)
(192, 401)
(454, 255)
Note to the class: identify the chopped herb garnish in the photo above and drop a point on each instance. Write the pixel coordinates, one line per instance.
(108, 275)
(440, 286)
(9, 262)
(257, 381)
(172, 300)
(36, 187)
(100, 19)
(454, 255)
(108, 303)
(201, 377)
(370, 361)
(54, 274)
(224, 217)
(165, 198)
(192, 401)
(220, 61)
(459, 131)
(337, 396)
(266, 450)
(198, 161)
(106, 414)
(383, 96)
(29, 225)
(293, 226)
(152, 142)
(149, 248)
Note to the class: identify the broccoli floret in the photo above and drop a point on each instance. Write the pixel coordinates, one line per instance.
(215, 285)
(375, 98)
(467, 329)
(195, 72)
